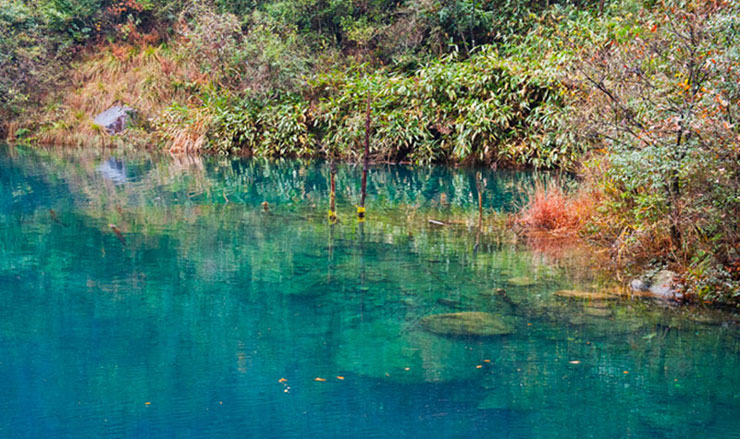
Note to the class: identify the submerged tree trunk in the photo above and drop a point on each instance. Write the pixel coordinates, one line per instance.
(479, 189)
(332, 193)
(365, 164)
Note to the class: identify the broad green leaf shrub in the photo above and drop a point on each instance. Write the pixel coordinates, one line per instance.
(484, 108)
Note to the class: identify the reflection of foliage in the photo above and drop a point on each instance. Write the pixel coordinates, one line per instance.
(166, 194)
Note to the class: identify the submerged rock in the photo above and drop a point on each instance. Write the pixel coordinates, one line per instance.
(598, 312)
(711, 318)
(481, 324)
(639, 285)
(659, 285)
(504, 401)
(451, 303)
(600, 326)
(520, 396)
(494, 292)
(521, 281)
(579, 320)
(393, 351)
(695, 409)
(662, 284)
(584, 295)
(115, 119)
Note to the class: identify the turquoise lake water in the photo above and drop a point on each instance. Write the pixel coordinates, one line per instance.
(206, 316)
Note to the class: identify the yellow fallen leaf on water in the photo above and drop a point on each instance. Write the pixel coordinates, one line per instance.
(147, 403)
(626, 372)
(282, 380)
(319, 379)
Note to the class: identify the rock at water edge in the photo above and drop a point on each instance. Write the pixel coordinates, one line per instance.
(662, 284)
(115, 119)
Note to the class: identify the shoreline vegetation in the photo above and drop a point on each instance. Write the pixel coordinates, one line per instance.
(638, 98)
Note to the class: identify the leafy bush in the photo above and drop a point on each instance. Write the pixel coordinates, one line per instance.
(484, 108)
(660, 91)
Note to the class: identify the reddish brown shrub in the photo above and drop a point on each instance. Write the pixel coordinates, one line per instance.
(551, 210)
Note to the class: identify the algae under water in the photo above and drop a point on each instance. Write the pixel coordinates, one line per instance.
(154, 297)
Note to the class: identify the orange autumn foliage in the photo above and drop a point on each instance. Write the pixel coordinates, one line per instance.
(552, 210)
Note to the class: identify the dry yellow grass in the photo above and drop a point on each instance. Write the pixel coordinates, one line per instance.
(147, 78)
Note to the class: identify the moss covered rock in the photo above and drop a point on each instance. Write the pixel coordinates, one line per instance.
(584, 295)
(393, 351)
(598, 312)
(521, 281)
(599, 304)
(480, 324)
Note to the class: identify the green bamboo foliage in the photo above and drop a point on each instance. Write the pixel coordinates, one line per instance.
(481, 109)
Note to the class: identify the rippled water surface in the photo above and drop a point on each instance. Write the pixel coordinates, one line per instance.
(201, 315)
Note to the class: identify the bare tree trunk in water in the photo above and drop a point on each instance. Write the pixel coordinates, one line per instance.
(479, 188)
(365, 163)
(332, 193)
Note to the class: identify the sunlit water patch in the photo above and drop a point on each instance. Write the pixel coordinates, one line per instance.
(156, 297)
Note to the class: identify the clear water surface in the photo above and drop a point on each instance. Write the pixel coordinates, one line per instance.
(209, 317)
